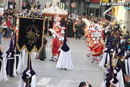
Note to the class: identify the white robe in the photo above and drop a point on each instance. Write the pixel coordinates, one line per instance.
(120, 78)
(19, 63)
(64, 60)
(23, 56)
(3, 74)
(120, 82)
(127, 66)
(102, 62)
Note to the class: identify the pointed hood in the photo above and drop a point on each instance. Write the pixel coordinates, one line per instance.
(110, 48)
(28, 73)
(14, 40)
(109, 75)
(110, 43)
(11, 43)
(1, 54)
(65, 46)
(17, 51)
(31, 69)
(10, 47)
(119, 44)
(116, 50)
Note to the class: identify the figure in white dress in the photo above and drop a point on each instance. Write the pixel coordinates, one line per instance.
(65, 61)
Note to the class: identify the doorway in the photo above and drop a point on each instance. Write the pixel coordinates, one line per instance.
(94, 11)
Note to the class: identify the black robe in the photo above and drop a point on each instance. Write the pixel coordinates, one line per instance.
(78, 30)
(63, 22)
(1, 59)
(127, 84)
(50, 26)
(108, 34)
(10, 62)
(42, 54)
(122, 65)
(46, 26)
(70, 29)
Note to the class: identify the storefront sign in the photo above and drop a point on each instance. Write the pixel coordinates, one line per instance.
(104, 1)
(73, 4)
(94, 0)
(67, 3)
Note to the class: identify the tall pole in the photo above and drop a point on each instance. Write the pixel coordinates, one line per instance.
(70, 6)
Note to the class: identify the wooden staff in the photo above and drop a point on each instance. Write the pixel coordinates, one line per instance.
(29, 68)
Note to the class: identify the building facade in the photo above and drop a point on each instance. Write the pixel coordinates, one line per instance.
(84, 7)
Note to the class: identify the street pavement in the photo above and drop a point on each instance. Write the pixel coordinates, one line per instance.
(49, 76)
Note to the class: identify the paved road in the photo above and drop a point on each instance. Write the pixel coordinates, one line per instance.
(49, 76)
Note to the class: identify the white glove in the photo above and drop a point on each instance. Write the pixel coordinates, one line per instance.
(28, 73)
(48, 46)
(59, 49)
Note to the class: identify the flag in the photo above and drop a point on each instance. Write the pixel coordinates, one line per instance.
(30, 34)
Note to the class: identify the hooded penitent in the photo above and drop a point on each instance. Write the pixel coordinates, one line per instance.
(28, 77)
(106, 55)
(64, 60)
(11, 62)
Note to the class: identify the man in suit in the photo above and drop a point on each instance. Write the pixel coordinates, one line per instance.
(127, 79)
(121, 62)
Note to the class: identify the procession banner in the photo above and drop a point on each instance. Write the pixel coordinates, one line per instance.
(30, 35)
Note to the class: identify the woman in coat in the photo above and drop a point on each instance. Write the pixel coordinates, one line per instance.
(78, 29)
(42, 55)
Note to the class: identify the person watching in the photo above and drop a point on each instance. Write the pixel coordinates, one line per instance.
(83, 84)
(127, 80)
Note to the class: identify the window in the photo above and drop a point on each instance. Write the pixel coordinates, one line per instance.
(58, 4)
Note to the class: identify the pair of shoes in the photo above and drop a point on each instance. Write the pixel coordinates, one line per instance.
(65, 69)
(92, 60)
(88, 55)
(51, 59)
(37, 58)
(42, 59)
(12, 76)
(55, 60)
(97, 61)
